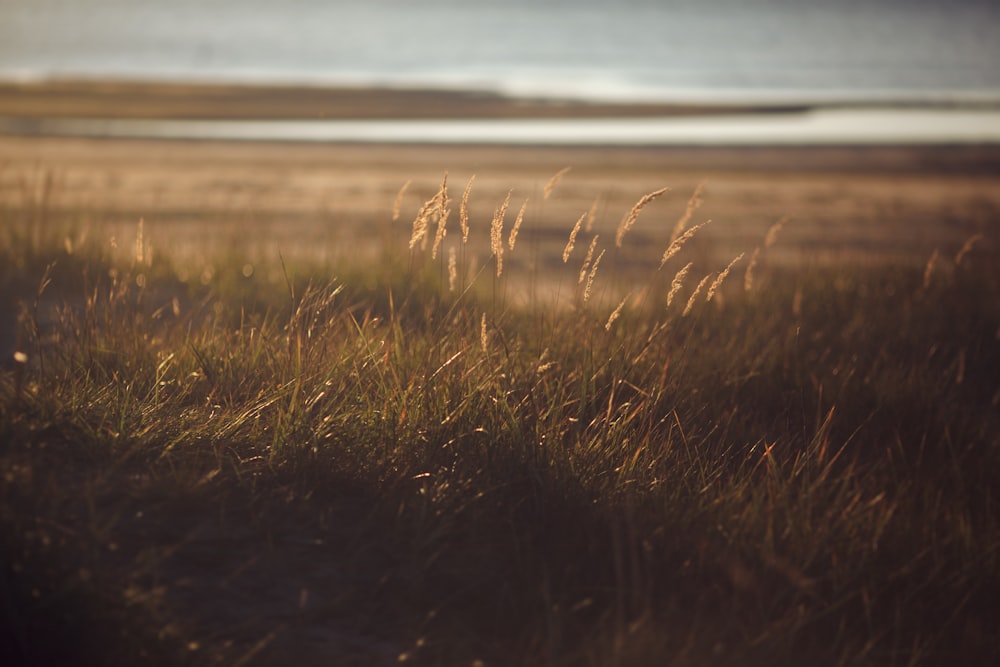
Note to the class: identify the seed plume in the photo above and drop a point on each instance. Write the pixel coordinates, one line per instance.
(629, 220)
(772, 233)
(553, 182)
(929, 269)
(572, 238)
(748, 278)
(678, 282)
(717, 283)
(586, 260)
(676, 245)
(967, 248)
(694, 295)
(463, 211)
(436, 204)
(615, 313)
(590, 278)
(496, 232)
(693, 204)
(592, 215)
(517, 226)
(399, 200)
(452, 269)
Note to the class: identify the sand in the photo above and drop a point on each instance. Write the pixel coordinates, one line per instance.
(874, 204)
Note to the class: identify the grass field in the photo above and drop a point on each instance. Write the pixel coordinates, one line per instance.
(456, 453)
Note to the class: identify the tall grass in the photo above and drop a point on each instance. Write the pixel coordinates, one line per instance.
(798, 469)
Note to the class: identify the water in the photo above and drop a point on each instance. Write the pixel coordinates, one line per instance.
(913, 51)
(814, 127)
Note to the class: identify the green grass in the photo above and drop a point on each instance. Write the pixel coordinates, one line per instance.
(248, 470)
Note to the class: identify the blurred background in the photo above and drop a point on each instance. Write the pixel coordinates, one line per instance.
(922, 52)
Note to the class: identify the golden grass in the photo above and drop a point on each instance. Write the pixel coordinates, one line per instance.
(512, 239)
(571, 243)
(678, 282)
(463, 211)
(398, 203)
(678, 242)
(592, 275)
(496, 233)
(606, 469)
(587, 259)
(629, 220)
(550, 186)
(694, 295)
(693, 204)
(714, 287)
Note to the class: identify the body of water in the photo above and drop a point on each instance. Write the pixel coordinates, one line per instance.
(814, 51)
(814, 127)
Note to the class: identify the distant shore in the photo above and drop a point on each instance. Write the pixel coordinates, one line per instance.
(204, 101)
(176, 111)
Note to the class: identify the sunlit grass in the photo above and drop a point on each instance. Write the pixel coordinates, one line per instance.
(735, 464)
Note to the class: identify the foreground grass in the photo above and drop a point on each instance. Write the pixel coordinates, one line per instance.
(379, 470)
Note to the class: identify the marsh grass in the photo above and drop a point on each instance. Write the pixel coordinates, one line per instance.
(802, 470)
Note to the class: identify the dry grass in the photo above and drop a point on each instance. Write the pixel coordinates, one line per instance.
(272, 466)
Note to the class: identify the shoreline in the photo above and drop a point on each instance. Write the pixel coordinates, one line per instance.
(816, 128)
(303, 114)
(117, 99)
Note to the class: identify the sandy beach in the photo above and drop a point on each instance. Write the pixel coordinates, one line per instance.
(850, 203)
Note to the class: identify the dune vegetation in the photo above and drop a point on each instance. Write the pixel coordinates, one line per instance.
(426, 458)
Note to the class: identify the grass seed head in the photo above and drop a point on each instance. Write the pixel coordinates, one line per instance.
(929, 269)
(748, 277)
(967, 248)
(463, 211)
(678, 243)
(772, 233)
(399, 200)
(678, 282)
(592, 215)
(717, 283)
(626, 224)
(517, 226)
(452, 269)
(694, 295)
(586, 260)
(615, 313)
(553, 182)
(496, 232)
(693, 204)
(590, 277)
(572, 239)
